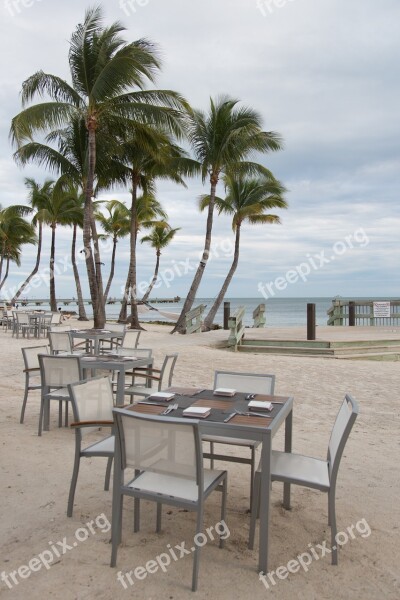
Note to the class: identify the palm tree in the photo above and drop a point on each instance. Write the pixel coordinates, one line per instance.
(38, 196)
(60, 209)
(117, 225)
(159, 238)
(78, 199)
(15, 231)
(222, 141)
(145, 156)
(104, 70)
(247, 200)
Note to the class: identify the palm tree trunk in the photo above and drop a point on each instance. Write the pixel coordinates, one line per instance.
(53, 301)
(111, 276)
(81, 306)
(208, 321)
(180, 324)
(98, 317)
(6, 273)
(153, 281)
(36, 267)
(130, 285)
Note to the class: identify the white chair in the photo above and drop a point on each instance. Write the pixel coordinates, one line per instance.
(167, 458)
(108, 345)
(61, 343)
(32, 372)
(312, 472)
(92, 404)
(131, 339)
(253, 383)
(22, 324)
(57, 371)
(156, 380)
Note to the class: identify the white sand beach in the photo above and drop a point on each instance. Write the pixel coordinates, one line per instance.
(35, 475)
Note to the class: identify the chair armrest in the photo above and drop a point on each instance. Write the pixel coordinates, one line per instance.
(147, 376)
(91, 423)
(30, 370)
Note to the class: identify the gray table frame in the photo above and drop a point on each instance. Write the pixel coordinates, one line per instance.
(96, 336)
(263, 435)
(112, 364)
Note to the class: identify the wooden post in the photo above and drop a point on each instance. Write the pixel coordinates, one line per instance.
(311, 321)
(227, 312)
(352, 313)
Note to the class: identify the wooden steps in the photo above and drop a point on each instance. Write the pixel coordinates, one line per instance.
(356, 349)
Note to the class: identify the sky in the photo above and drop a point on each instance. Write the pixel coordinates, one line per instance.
(325, 75)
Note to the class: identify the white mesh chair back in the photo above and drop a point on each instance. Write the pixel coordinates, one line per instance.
(92, 400)
(152, 444)
(117, 327)
(56, 318)
(22, 318)
(344, 422)
(60, 341)
(167, 371)
(30, 356)
(137, 352)
(251, 383)
(10, 314)
(131, 338)
(60, 327)
(59, 371)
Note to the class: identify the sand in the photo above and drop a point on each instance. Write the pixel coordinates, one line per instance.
(35, 477)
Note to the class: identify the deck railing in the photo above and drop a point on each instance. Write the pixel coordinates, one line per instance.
(193, 319)
(366, 312)
(259, 316)
(236, 327)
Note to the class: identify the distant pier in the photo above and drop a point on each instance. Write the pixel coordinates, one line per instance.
(68, 301)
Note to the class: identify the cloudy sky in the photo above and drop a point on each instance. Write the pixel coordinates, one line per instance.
(324, 74)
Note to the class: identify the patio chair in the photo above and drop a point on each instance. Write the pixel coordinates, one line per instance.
(131, 339)
(109, 345)
(7, 320)
(92, 404)
(57, 371)
(45, 324)
(156, 380)
(166, 455)
(138, 353)
(312, 472)
(32, 372)
(61, 343)
(242, 382)
(22, 324)
(56, 318)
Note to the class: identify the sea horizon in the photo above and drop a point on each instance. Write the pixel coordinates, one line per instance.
(279, 312)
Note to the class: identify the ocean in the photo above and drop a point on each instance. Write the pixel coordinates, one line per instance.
(279, 312)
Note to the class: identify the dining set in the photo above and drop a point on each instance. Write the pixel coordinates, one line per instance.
(156, 436)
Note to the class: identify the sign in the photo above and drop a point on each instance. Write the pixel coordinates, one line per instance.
(382, 309)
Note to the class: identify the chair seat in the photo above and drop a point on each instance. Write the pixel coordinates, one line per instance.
(140, 390)
(104, 447)
(60, 394)
(300, 470)
(232, 441)
(172, 485)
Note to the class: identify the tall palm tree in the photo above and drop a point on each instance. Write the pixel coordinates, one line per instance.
(248, 199)
(105, 70)
(145, 156)
(38, 196)
(159, 238)
(223, 140)
(15, 231)
(117, 225)
(60, 209)
(78, 199)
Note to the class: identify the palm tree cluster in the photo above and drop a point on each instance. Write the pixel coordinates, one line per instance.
(106, 128)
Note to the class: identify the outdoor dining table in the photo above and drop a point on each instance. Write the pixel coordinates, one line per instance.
(95, 335)
(260, 429)
(121, 364)
(35, 320)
